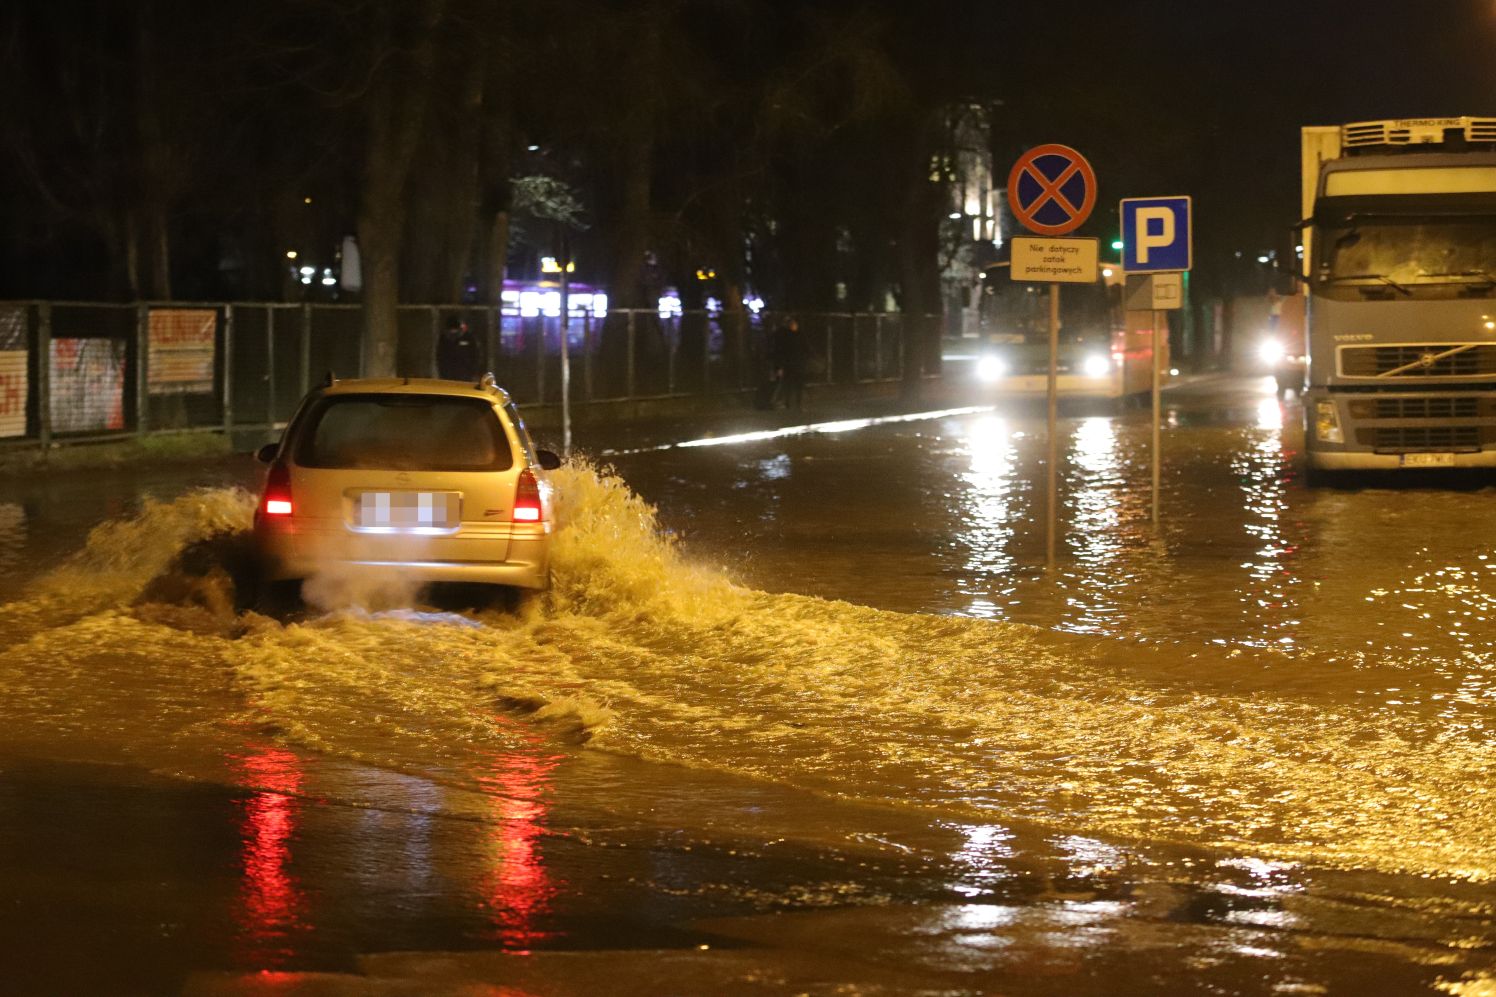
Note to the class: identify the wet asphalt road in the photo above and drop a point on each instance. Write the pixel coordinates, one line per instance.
(1247, 754)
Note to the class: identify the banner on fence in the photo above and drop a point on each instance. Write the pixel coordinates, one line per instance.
(13, 371)
(88, 385)
(182, 346)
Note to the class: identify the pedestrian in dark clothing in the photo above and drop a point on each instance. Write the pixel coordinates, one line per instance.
(787, 353)
(457, 354)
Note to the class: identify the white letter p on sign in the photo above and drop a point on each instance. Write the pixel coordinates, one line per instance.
(1154, 236)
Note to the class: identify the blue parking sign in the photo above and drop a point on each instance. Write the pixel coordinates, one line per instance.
(1156, 234)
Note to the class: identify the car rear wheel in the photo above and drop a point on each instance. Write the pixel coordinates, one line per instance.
(278, 598)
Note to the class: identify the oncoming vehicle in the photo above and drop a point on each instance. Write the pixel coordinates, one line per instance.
(437, 481)
(1105, 351)
(1281, 356)
(1280, 348)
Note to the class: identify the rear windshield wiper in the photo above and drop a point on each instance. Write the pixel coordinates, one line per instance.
(1371, 276)
(1484, 275)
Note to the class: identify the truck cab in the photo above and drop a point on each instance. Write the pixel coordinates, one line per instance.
(1400, 273)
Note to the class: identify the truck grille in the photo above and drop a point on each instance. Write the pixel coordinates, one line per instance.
(1400, 439)
(1456, 407)
(1379, 361)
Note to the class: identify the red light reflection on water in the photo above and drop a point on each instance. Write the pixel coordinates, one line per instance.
(271, 903)
(517, 889)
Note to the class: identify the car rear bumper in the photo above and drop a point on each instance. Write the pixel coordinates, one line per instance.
(1067, 385)
(290, 551)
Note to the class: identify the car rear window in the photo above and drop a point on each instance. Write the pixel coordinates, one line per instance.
(405, 433)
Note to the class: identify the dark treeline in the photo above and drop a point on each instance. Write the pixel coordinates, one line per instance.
(174, 150)
(167, 149)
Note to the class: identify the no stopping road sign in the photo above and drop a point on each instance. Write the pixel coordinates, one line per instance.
(1051, 190)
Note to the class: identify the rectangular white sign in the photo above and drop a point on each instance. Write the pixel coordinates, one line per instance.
(1065, 261)
(1154, 292)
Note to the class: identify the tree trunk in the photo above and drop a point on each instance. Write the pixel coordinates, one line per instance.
(913, 306)
(629, 243)
(132, 255)
(465, 202)
(160, 248)
(380, 222)
(395, 110)
(732, 270)
(379, 256)
(498, 257)
(493, 183)
(919, 273)
(734, 335)
(631, 240)
(155, 162)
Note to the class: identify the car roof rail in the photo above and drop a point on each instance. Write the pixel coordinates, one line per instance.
(487, 382)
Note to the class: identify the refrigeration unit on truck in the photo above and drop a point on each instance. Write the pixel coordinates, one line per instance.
(1399, 265)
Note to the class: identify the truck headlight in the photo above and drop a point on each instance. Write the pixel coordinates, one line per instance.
(991, 368)
(1271, 351)
(1327, 423)
(1096, 365)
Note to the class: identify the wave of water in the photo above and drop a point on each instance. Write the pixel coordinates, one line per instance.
(134, 648)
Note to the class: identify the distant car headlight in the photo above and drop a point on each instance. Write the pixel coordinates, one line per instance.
(1271, 351)
(991, 368)
(1096, 365)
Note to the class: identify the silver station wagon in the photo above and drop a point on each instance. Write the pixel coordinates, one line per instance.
(436, 480)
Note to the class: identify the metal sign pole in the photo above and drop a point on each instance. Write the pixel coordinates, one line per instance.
(1158, 456)
(1052, 189)
(565, 349)
(1158, 249)
(1054, 445)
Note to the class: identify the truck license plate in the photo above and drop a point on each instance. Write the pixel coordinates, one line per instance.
(1428, 460)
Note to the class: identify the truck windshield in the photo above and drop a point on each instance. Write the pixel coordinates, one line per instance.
(1407, 253)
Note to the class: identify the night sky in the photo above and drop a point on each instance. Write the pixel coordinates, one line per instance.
(1214, 93)
(1199, 98)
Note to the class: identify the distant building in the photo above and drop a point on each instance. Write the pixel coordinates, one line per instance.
(972, 230)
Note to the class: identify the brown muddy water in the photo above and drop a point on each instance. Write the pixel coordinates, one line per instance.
(802, 713)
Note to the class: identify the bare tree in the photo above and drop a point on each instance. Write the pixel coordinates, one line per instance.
(108, 150)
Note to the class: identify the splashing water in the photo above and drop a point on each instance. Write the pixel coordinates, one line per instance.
(641, 651)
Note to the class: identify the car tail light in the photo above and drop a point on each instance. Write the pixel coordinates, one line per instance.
(277, 491)
(527, 498)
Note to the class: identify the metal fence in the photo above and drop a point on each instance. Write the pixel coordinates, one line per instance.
(76, 371)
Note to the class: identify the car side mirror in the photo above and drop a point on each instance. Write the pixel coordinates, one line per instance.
(267, 453)
(549, 460)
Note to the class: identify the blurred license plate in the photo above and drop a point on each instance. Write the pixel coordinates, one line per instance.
(409, 510)
(1428, 460)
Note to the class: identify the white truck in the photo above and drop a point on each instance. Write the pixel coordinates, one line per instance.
(1399, 266)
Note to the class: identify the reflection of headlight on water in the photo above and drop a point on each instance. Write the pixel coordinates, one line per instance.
(1270, 350)
(991, 368)
(1096, 365)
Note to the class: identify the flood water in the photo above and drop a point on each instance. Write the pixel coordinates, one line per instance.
(802, 713)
